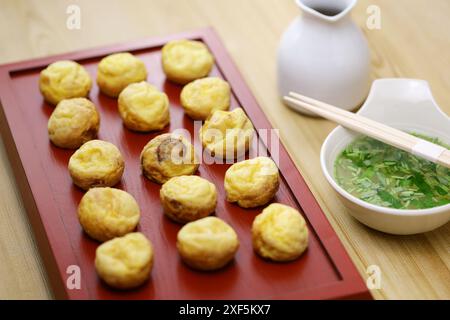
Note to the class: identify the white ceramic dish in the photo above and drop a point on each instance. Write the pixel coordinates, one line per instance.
(408, 105)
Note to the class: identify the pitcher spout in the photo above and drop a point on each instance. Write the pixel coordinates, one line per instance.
(326, 10)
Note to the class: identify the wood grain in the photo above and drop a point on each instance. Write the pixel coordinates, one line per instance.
(413, 42)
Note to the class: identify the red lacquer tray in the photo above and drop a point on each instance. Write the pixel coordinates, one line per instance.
(323, 272)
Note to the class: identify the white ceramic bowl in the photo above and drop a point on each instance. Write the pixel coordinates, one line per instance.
(408, 105)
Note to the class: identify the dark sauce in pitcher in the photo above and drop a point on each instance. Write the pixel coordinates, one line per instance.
(327, 11)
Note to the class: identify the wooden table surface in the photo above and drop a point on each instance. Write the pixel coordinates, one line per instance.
(413, 42)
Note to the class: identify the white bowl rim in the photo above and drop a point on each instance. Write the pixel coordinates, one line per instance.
(362, 203)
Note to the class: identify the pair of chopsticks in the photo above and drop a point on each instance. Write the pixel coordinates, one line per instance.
(373, 129)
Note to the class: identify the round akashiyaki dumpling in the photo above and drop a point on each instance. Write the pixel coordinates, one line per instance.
(186, 60)
(166, 156)
(203, 96)
(279, 233)
(188, 198)
(96, 163)
(227, 134)
(106, 213)
(117, 71)
(64, 79)
(207, 244)
(143, 108)
(125, 262)
(252, 183)
(73, 122)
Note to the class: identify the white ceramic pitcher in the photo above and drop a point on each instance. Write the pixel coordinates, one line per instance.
(324, 55)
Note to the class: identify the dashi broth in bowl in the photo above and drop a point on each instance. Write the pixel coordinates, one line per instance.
(392, 190)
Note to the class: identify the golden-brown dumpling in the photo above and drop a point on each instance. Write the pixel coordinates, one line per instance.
(73, 122)
(106, 213)
(188, 198)
(201, 97)
(207, 244)
(143, 107)
(186, 60)
(227, 134)
(64, 80)
(125, 262)
(117, 71)
(252, 183)
(279, 233)
(96, 163)
(168, 155)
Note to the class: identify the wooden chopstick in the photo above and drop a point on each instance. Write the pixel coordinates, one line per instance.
(352, 115)
(372, 128)
(340, 116)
